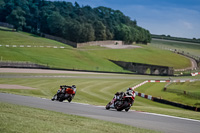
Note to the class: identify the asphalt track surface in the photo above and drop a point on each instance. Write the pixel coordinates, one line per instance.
(163, 123)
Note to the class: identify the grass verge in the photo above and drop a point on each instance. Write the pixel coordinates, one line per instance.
(15, 118)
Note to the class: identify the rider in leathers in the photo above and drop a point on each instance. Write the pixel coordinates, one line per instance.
(129, 92)
(73, 93)
(62, 90)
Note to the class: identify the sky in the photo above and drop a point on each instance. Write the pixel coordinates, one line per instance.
(178, 18)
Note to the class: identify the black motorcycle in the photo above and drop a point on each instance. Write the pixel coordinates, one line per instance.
(120, 102)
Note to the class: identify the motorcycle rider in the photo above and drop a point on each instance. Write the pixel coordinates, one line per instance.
(74, 89)
(122, 100)
(66, 91)
(131, 92)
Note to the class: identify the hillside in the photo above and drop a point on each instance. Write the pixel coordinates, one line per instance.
(188, 47)
(88, 58)
(71, 21)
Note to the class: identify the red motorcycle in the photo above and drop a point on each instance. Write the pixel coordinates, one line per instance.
(121, 101)
(65, 93)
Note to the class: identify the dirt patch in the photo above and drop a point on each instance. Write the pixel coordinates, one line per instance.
(6, 86)
(121, 46)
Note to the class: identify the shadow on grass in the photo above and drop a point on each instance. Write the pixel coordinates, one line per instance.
(34, 35)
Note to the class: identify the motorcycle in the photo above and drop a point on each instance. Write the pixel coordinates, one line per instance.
(120, 102)
(64, 93)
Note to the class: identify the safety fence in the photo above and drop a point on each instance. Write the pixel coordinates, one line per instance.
(31, 46)
(12, 64)
(195, 73)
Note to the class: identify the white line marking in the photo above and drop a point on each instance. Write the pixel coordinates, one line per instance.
(169, 116)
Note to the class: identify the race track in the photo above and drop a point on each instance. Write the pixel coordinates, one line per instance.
(156, 122)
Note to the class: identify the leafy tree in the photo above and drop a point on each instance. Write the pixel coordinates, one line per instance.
(100, 30)
(56, 23)
(17, 18)
(87, 33)
(75, 31)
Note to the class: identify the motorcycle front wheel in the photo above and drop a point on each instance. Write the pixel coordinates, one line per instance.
(123, 106)
(69, 99)
(108, 106)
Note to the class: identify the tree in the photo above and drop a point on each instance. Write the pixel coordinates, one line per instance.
(87, 33)
(6, 8)
(123, 32)
(100, 30)
(75, 31)
(109, 35)
(55, 23)
(17, 18)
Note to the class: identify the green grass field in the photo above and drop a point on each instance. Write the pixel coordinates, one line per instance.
(89, 58)
(9, 37)
(98, 90)
(23, 119)
(187, 47)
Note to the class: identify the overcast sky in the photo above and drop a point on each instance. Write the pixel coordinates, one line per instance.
(179, 18)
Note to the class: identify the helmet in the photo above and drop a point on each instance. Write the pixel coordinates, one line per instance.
(74, 86)
(129, 89)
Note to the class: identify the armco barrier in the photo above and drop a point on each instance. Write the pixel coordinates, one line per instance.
(195, 74)
(143, 95)
(176, 104)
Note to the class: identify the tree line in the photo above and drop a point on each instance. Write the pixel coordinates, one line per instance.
(72, 21)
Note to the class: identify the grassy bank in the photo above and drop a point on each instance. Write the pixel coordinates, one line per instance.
(90, 58)
(187, 47)
(16, 118)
